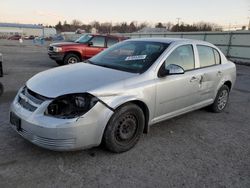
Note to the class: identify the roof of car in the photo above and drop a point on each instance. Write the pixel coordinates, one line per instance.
(171, 40)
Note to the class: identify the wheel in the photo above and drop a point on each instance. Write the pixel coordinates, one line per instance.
(124, 128)
(221, 100)
(1, 88)
(59, 62)
(71, 59)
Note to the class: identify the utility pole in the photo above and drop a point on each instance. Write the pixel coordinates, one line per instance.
(249, 19)
(178, 22)
(249, 23)
(229, 27)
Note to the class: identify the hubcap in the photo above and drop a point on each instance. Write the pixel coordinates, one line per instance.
(72, 60)
(126, 129)
(222, 100)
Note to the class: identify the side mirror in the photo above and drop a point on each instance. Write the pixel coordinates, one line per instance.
(171, 69)
(90, 43)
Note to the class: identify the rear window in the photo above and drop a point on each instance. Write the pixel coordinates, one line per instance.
(111, 41)
(208, 56)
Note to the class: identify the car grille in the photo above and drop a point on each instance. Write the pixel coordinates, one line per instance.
(51, 48)
(48, 142)
(30, 100)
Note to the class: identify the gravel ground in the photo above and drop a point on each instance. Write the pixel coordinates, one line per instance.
(198, 149)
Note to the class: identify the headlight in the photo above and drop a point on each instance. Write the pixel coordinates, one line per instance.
(57, 49)
(71, 106)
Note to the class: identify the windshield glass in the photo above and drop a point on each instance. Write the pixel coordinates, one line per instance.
(130, 56)
(84, 39)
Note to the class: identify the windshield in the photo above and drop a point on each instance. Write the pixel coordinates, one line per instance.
(84, 39)
(130, 56)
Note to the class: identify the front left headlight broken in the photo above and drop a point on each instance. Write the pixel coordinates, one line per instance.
(71, 105)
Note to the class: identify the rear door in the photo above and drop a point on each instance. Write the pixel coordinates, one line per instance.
(98, 45)
(175, 93)
(210, 68)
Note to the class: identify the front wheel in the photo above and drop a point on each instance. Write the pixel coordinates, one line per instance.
(221, 100)
(71, 59)
(124, 128)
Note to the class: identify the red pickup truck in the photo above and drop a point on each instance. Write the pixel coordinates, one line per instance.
(83, 48)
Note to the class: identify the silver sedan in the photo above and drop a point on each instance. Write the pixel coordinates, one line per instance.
(118, 94)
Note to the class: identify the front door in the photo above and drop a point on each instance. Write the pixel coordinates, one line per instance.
(175, 93)
(97, 44)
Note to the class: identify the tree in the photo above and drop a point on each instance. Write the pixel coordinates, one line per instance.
(59, 26)
(132, 27)
(169, 25)
(243, 27)
(76, 23)
(159, 25)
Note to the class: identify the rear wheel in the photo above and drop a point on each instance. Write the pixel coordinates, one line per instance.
(124, 128)
(71, 59)
(221, 100)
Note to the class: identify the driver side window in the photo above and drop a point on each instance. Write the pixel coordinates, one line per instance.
(182, 56)
(98, 41)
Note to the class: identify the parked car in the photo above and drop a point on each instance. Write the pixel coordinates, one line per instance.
(57, 38)
(15, 37)
(83, 48)
(1, 73)
(118, 94)
(31, 37)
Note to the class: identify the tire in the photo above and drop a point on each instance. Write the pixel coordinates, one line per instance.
(221, 100)
(60, 62)
(71, 59)
(124, 128)
(1, 88)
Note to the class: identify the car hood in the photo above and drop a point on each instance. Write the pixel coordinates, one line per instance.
(65, 44)
(77, 78)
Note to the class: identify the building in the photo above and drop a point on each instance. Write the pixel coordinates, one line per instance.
(9, 29)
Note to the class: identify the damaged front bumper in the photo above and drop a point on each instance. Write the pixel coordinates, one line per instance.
(60, 134)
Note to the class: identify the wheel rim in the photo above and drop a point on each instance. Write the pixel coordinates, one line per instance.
(222, 100)
(126, 129)
(72, 60)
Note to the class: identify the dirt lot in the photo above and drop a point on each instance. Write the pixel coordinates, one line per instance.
(199, 149)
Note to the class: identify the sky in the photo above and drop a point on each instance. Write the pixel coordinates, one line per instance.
(49, 12)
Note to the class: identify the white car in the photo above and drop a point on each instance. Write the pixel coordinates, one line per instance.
(118, 94)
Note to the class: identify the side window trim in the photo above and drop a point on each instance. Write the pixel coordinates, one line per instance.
(215, 50)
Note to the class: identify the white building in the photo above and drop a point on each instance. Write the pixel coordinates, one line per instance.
(9, 29)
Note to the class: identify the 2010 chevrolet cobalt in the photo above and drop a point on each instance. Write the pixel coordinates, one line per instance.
(115, 96)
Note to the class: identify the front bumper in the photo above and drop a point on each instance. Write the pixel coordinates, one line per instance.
(57, 56)
(62, 134)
